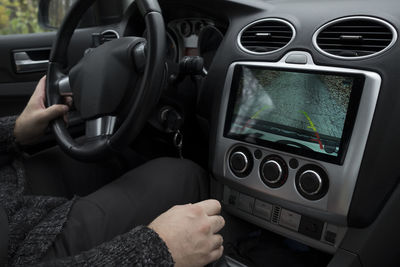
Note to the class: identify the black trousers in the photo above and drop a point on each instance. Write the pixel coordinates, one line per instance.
(136, 198)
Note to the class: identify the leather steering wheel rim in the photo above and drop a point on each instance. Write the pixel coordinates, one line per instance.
(146, 98)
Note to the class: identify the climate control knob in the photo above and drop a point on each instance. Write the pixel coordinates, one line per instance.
(273, 171)
(241, 161)
(312, 182)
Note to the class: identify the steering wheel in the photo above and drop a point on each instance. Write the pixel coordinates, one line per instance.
(114, 86)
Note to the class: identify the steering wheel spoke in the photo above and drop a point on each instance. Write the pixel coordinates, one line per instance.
(103, 126)
(64, 87)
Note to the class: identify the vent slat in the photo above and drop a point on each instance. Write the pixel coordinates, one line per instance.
(275, 39)
(357, 51)
(273, 31)
(358, 27)
(358, 32)
(353, 45)
(109, 36)
(365, 39)
(355, 37)
(266, 36)
(259, 43)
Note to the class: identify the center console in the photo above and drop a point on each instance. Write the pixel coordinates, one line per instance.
(290, 140)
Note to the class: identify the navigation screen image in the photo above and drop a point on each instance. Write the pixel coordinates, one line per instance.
(303, 110)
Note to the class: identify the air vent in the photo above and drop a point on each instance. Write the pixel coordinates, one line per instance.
(355, 37)
(109, 35)
(276, 213)
(266, 36)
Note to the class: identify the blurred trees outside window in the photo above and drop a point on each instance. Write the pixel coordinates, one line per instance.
(21, 16)
(57, 11)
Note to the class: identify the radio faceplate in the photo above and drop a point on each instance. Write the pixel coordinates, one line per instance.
(337, 179)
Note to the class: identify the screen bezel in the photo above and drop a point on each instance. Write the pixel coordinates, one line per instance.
(354, 103)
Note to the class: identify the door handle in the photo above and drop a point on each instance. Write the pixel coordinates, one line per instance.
(25, 64)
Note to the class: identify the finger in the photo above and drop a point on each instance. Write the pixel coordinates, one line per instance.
(54, 112)
(39, 93)
(217, 223)
(216, 254)
(69, 101)
(40, 87)
(211, 206)
(216, 242)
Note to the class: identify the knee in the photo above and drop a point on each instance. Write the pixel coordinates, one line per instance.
(182, 172)
(180, 166)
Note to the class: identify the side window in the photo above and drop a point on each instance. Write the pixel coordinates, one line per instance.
(22, 16)
(57, 10)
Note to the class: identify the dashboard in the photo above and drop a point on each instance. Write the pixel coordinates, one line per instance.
(300, 104)
(186, 34)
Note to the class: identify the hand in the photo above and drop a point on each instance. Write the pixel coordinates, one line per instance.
(35, 118)
(190, 232)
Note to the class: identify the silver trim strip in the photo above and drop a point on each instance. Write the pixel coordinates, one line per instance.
(262, 20)
(334, 206)
(64, 87)
(24, 64)
(385, 23)
(112, 31)
(233, 263)
(101, 126)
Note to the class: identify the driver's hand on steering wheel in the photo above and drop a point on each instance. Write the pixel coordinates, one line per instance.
(35, 118)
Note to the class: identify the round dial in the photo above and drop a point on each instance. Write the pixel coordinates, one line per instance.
(273, 171)
(241, 161)
(312, 182)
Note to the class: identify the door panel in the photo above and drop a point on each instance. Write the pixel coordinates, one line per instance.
(15, 88)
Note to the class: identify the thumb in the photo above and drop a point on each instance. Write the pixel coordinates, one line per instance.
(54, 112)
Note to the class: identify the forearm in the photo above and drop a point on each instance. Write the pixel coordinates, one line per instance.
(139, 247)
(7, 134)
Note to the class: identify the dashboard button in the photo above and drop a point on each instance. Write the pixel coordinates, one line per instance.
(230, 196)
(311, 227)
(330, 237)
(312, 182)
(262, 210)
(245, 203)
(239, 162)
(294, 163)
(290, 220)
(297, 59)
(273, 171)
(258, 154)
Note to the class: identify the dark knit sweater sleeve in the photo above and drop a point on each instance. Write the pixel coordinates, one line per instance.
(139, 247)
(7, 133)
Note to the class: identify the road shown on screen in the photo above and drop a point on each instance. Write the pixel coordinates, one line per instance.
(295, 99)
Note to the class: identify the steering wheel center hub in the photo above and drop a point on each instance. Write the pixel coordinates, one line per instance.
(102, 79)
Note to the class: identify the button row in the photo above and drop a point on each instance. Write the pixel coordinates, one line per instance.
(274, 214)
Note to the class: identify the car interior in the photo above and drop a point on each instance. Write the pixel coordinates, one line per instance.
(290, 105)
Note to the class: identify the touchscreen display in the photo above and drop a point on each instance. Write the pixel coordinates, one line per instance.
(301, 111)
